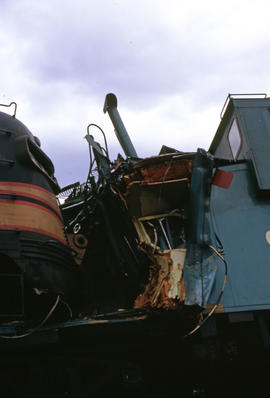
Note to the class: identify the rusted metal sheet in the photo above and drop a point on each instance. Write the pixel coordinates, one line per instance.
(169, 170)
(166, 288)
(161, 168)
(149, 183)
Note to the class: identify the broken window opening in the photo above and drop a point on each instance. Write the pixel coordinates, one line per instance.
(165, 232)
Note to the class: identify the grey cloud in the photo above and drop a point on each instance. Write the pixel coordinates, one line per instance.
(100, 47)
(97, 52)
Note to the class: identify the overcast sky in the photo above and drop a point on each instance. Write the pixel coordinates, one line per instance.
(170, 63)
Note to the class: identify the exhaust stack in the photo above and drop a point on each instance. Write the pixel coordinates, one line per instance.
(110, 106)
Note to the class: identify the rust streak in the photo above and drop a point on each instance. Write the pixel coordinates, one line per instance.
(218, 310)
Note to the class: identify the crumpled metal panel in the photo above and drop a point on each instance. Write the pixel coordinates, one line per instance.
(180, 273)
(156, 169)
(166, 287)
(201, 264)
(200, 276)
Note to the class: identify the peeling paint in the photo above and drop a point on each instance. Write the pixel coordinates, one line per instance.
(166, 288)
(177, 265)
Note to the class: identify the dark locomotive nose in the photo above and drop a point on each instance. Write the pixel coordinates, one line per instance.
(33, 248)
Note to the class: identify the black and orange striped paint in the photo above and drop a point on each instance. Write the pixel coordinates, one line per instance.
(28, 207)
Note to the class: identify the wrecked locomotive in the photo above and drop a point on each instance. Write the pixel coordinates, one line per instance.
(152, 269)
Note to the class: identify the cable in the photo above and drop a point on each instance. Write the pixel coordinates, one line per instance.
(155, 235)
(68, 307)
(104, 136)
(37, 327)
(163, 179)
(91, 163)
(220, 294)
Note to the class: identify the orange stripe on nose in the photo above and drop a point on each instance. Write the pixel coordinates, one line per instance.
(19, 185)
(32, 217)
(30, 196)
(30, 191)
